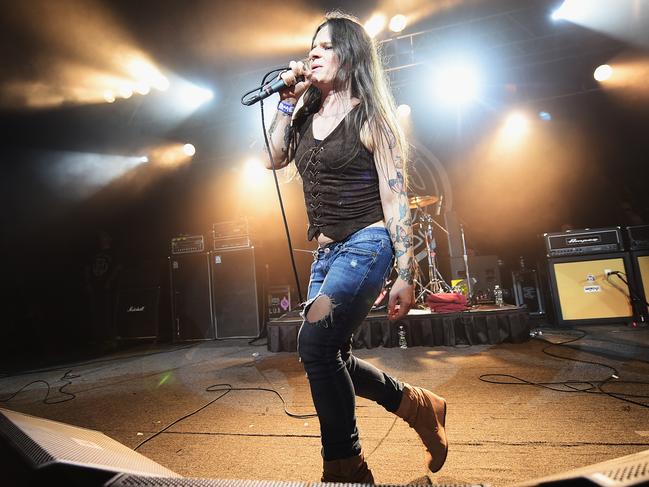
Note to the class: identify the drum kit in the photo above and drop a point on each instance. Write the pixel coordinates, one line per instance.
(427, 278)
(422, 223)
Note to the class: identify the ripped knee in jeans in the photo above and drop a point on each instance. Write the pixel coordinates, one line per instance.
(319, 311)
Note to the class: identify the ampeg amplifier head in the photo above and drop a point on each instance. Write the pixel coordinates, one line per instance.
(186, 244)
(583, 242)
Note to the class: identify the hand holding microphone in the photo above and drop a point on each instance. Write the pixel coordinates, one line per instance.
(290, 84)
(296, 80)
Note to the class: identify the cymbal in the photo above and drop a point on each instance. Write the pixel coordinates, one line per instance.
(421, 201)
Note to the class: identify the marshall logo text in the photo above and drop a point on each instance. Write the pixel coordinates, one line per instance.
(135, 309)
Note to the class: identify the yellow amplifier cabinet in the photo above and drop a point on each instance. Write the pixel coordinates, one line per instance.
(582, 292)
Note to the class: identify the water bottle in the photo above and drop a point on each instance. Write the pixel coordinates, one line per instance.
(498, 295)
(402, 337)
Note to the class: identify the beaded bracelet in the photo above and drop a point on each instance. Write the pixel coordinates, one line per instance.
(286, 107)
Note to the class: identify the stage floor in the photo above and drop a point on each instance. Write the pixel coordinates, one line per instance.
(499, 434)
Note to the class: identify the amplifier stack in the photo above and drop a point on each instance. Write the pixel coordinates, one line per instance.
(584, 242)
(585, 270)
(214, 293)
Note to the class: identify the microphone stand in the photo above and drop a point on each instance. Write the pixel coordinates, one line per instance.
(469, 285)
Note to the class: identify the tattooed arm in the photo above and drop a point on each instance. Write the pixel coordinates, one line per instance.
(279, 128)
(396, 212)
(278, 139)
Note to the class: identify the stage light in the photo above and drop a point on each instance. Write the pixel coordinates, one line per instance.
(125, 91)
(147, 75)
(398, 23)
(403, 111)
(109, 96)
(142, 88)
(144, 159)
(170, 155)
(79, 175)
(622, 19)
(572, 10)
(603, 72)
(516, 126)
(456, 84)
(545, 116)
(161, 83)
(254, 171)
(191, 96)
(375, 24)
(189, 149)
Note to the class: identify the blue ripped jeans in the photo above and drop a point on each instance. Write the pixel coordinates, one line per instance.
(350, 273)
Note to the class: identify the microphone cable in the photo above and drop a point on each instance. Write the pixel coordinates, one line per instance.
(272, 162)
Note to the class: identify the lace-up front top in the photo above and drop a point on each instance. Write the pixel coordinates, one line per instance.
(340, 182)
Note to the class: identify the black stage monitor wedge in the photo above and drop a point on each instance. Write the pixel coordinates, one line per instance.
(131, 480)
(37, 451)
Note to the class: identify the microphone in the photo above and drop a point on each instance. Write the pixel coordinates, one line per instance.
(271, 87)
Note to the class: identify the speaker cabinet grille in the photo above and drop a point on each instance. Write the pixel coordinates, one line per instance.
(582, 292)
(44, 444)
(234, 293)
(190, 297)
(137, 313)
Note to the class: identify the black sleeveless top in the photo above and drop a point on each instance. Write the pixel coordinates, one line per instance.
(339, 179)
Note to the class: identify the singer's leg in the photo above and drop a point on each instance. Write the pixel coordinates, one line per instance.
(354, 275)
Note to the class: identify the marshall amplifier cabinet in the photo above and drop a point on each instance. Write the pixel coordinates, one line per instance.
(187, 244)
(583, 242)
(137, 313)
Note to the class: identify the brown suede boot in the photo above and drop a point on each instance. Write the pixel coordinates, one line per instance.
(352, 470)
(426, 413)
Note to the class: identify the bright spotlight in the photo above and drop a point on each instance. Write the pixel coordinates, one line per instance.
(545, 116)
(403, 111)
(456, 85)
(568, 10)
(578, 11)
(125, 91)
(398, 23)
(109, 96)
(189, 149)
(516, 125)
(375, 24)
(144, 159)
(147, 76)
(142, 88)
(603, 72)
(80, 175)
(191, 96)
(254, 171)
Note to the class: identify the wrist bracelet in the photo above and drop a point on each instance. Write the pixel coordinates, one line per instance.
(286, 107)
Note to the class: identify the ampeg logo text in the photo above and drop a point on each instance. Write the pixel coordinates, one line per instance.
(135, 309)
(583, 240)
